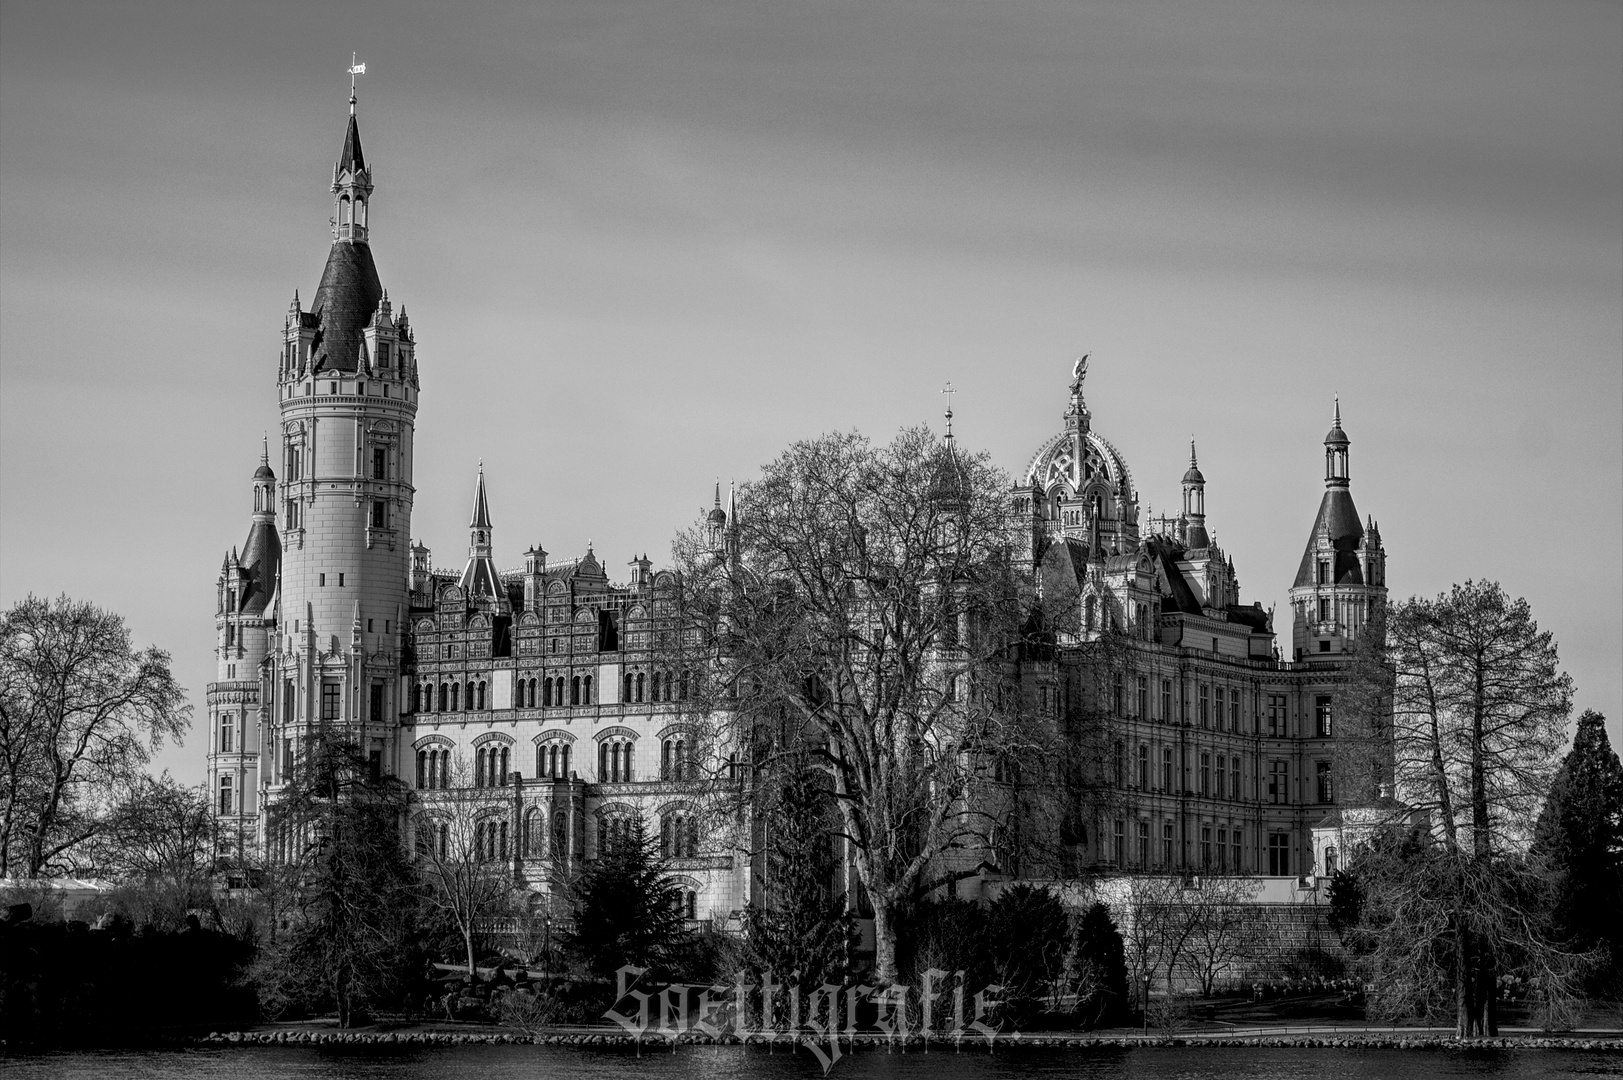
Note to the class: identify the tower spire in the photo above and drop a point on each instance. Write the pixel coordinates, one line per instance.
(1194, 502)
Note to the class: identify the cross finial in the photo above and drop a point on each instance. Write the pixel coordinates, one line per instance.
(354, 70)
(1338, 410)
(949, 391)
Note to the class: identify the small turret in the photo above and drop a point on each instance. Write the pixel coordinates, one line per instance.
(1194, 503)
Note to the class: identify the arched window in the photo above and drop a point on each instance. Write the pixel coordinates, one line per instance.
(639, 686)
(481, 704)
(1088, 613)
(586, 690)
(503, 780)
(534, 833)
(564, 773)
(602, 762)
(682, 687)
(456, 689)
(445, 839)
(560, 836)
(422, 769)
(574, 690)
(625, 689)
(532, 694)
(1329, 861)
(444, 699)
(479, 768)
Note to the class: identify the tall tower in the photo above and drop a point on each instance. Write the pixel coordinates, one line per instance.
(244, 618)
(1342, 577)
(348, 391)
(1194, 503)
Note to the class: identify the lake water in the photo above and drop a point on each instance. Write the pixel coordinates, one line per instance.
(730, 1062)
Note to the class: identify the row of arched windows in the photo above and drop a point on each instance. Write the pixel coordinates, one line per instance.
(452, 697)
(673, 760)
(679, 836)
(490, 766)
(434, 767)
(656, 687)
(490, 839)
(614, 758)
(552, 760)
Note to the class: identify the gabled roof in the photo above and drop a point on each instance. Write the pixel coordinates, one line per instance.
(1337, 517)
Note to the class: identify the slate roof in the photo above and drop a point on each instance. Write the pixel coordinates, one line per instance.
(1339, 517)
(344, 303)
(351, 159)
(261, 559)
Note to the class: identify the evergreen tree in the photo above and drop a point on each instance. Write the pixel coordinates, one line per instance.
(1099, 966)
(1026, 932)
(362, 925)
(803, 926)
(627, 912)
(1580, 836)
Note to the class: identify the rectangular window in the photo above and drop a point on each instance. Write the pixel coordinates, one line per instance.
(1144, 843)
(374, 764)
(1205, 847)
(380, 463)
(1205, 707)
(1116, 694)
(1321, 716)
(1324, 572)
(321, 580)
(1234, 777)
(287, 759)
(383, 354)
(1234, 710)
(1166, 769)
(1166, 844)
(226, 732)
(340, 581)
(380, 514)
(1324, 609)
(376, 710)
(1326, 790)
(1278, 783)
(1143, 698)
(228, 802)
(1278, 728)
(1166, 700)
(1120, 842)
(1222, 844)
(1205, 774)
(1279, 854)
(1236, 859)
(330, 700)
(1221, 770)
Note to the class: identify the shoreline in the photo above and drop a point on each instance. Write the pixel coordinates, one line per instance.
(1388, 1040)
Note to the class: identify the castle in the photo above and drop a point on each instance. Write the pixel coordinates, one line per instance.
(542, 683)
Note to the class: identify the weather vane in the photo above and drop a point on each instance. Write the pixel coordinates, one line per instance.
(354, 70)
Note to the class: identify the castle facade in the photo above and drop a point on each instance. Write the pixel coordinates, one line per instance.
(545, 685)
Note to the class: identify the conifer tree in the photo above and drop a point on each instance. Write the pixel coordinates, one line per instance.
(1580, 837)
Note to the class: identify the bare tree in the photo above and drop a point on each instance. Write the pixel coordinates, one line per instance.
(463, 847)
(158, 841)
(1225, 929)
(1479, 712)
(864, 610)
(81, 710)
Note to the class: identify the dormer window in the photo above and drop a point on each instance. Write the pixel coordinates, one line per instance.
(1324, 571)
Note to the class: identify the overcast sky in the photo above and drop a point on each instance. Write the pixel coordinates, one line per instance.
(645, 245)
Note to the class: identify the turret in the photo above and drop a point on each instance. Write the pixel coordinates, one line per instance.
(1342, 576)
(480, 577)
(1194, 503)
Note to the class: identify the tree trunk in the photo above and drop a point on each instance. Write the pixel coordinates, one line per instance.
(1462, 983)
(884, 939)
(467, 939)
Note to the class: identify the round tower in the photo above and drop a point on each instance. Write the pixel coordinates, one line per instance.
(348, 391)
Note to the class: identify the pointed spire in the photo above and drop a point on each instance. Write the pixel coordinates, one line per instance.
(481, 506)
